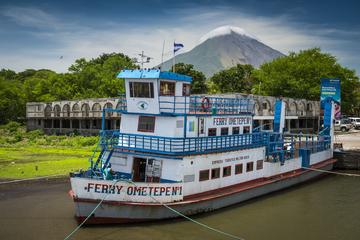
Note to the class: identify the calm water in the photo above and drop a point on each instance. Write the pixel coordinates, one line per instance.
(328, 208)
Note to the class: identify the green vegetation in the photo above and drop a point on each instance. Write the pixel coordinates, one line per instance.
(31, 154)
(298, 75)
(86, 79)
(198, 84)
(236, 79)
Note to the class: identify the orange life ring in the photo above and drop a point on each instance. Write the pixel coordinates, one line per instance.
(205, 103)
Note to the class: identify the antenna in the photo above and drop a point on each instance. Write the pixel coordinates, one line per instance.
(142, 59)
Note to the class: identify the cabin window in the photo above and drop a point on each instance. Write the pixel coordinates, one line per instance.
(167, 88)
(141, 89)
(259, 164)
(186, 89)
(212, 132)
(224, 131)
(146, 124)
(235, 130)
(226, 171)
(238, 168)
(249, 166)
(215, 173)
(246, 129)
(204, 175)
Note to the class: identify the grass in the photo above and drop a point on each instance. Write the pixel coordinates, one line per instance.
(33, 154)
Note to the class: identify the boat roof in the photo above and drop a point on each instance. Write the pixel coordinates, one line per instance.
(152, 74)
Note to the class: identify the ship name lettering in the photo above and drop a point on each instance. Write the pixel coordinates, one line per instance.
(220, 121)
(103, 188)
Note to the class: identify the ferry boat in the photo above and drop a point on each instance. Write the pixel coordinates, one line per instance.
(193, 153)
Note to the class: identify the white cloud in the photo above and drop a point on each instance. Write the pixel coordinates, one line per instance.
(30, 17)
(76, 40)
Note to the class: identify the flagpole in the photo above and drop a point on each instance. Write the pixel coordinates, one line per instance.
(174, 58)
(162, 55)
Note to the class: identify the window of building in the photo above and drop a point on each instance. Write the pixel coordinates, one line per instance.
(249, 166)
(141, 89)
(235, 130)
(146, 124)
(309, 107)
(264, 105)
(186, 89)
(246, 129)
(259, 164)
(224, 131)
(226, 171)
(238, 168)
(167, 88)
(212, 132)
(215, 173)
(204, 175)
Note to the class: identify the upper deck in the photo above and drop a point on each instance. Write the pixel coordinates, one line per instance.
(164, 93)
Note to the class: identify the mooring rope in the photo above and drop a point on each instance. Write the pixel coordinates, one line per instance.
(32, 179)
(332, 172)
(193, 220)
(91, 213)
(163, 204)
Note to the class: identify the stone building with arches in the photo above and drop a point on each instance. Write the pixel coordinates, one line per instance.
(84, 116)
(77, 116)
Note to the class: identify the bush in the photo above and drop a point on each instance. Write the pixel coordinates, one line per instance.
(11, 126)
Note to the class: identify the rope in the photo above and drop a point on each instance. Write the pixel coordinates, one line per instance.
(92, 212)
(193, 220)
(166, 206)
(30, 179)
(332, 172)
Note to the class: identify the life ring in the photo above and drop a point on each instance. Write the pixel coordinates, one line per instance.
(205, 103)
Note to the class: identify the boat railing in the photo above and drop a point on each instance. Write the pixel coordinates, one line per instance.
(282, 147)
(205, 105)
(278, 146)
(192, 145)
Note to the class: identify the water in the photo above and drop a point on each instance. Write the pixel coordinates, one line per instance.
(328, 208)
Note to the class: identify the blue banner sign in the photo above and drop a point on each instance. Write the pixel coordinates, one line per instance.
(330, 90)
(277, 115)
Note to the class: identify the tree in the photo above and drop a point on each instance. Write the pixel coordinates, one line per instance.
(235, 79)
(97, 77)
(12, 104)
(198, 84)
(298, 76)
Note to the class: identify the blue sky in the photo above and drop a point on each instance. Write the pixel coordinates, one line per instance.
(34, 34)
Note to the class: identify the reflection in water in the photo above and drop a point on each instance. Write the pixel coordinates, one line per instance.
(328, 208)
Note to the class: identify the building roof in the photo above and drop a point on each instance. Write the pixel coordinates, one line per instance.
(153, 73)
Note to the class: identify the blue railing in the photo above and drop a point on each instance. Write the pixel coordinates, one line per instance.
(205, 105)
(282, 147)
(177, 146)
(195, 105)
(279, 147)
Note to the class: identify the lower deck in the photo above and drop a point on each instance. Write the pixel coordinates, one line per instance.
(129, 211)
(148, 180)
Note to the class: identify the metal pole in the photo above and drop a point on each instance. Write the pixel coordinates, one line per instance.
(174, 57)
(162, 55)
(103, 120)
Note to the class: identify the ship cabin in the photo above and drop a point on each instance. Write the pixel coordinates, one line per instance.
(161, 123)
